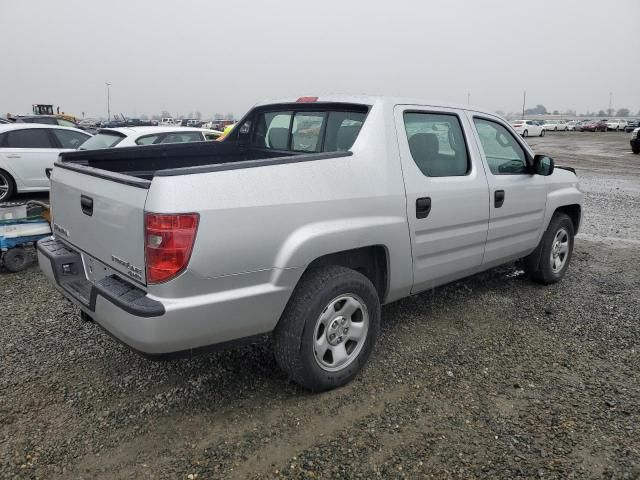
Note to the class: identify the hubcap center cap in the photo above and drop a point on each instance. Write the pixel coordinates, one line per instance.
(337, 331)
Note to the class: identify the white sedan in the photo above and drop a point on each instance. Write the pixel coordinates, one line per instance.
(27, 150)
(528, 128)
(616, 124)
(132, 136)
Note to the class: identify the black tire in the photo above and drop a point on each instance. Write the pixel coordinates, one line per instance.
(7, 186)
(555, 129)
(16, 259)
(543, 132)
(538, 264)
(525, 133)
(293, 338)
(635, 150)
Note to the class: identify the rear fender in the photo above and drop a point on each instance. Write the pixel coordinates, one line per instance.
(316, 240)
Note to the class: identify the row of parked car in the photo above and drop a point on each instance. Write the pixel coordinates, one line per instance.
(28, 149)
(535, 128)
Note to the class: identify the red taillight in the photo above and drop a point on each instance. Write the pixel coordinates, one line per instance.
(168, 242)
(307, 99)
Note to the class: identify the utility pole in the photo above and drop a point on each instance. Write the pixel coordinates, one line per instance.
(524, 101)
(108, 84)
(610, 103)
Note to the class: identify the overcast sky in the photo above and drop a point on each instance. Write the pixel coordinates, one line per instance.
(214, 56)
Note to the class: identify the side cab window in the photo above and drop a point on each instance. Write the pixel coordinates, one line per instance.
(503, 152)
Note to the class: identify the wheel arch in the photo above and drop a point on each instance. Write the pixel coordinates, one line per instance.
(371, 261)
(574, 212)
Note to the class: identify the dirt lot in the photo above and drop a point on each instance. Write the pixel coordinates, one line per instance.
(490, 377)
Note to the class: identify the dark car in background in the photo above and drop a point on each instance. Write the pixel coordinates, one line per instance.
(599, 125)
(632, 124)
(635, 141)
(137, 122)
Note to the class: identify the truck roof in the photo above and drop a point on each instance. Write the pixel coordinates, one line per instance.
(373, 99)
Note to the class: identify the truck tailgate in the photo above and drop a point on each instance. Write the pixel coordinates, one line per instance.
(101, 217)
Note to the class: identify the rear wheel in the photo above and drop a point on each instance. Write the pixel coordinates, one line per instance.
(549, 261)
(16, 259)
(525, 133)
(328, 328)
(635, 150)
(542, 132)
(7, 186)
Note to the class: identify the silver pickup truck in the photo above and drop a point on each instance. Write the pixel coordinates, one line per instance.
(311, 214)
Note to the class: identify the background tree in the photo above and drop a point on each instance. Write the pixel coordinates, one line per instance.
(622, 112)
(602, 113)
(610, 111)
(500, 112)
(556, 112)
(537, 110)
(165, 114)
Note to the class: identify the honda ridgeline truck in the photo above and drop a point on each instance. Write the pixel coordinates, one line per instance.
(311, 214)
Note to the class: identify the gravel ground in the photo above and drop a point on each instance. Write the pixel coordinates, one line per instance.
(490, 377)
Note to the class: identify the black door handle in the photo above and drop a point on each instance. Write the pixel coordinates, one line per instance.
(423, 207)
(86, 204)
(499, 198)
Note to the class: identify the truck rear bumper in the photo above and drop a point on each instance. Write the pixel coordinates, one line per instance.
(155, 326)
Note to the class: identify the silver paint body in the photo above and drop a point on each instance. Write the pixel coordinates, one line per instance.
(261, 227)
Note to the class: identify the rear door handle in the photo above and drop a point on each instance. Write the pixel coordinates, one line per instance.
(499, 198)
(14, 156)
(423, 207)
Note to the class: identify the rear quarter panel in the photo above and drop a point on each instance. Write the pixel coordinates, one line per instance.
(270, 222)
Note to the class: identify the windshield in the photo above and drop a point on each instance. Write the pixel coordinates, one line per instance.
(102, 140)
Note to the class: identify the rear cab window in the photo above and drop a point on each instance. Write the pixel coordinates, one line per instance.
(313, 129)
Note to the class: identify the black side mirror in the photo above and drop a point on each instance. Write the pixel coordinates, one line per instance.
(543, 165)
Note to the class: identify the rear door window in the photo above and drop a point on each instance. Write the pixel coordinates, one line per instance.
(29, 138)
(69, 138)
(437, 144)
(148, 139)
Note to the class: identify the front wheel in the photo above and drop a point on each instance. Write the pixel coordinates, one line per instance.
(635, 150)
(549, 261)
(328, 329)
(525, 133)
(542, 132)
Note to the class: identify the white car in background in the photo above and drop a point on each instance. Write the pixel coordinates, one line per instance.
(571, 125)
(132, 136)
(528, 128)
(555, 125)
(616, 124)
(27, 150)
